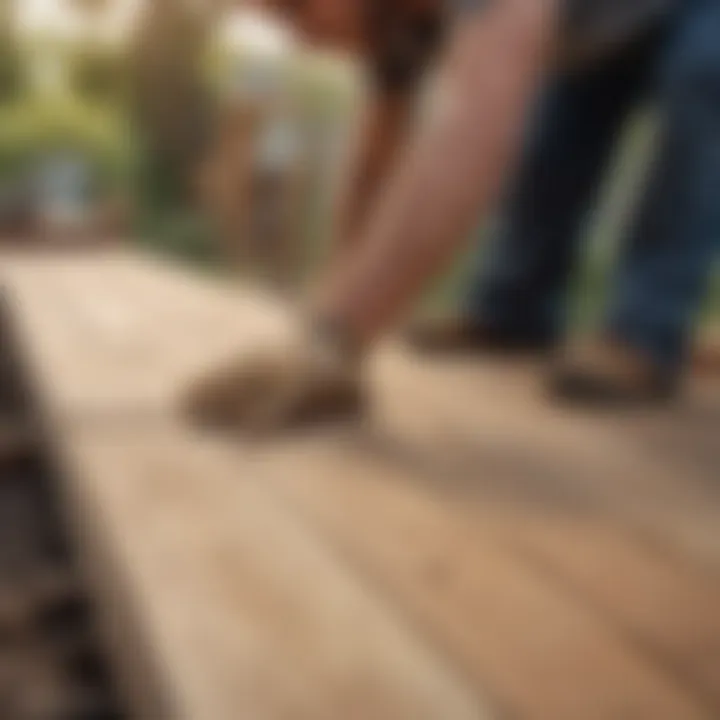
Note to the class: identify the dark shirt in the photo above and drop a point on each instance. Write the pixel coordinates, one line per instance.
(593, 27)
(406, 33)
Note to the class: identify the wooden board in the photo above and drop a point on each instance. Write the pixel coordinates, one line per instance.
(472, 552)
(248, 612)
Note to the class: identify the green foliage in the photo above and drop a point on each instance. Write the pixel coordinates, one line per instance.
(320, 87)
(98, 74)
(32, 128)
(11, 74)
(712, 307)
(169, 96)
(11, 69)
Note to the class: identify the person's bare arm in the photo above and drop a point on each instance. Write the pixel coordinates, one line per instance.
(403, 38)
(383, 133)
(455, 168)
(396, 41)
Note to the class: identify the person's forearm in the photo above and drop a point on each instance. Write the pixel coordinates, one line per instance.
(454, 170)
(383, 134)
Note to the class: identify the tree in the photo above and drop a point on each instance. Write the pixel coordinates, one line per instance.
(11, 75)
(98, 73)
(169, 96)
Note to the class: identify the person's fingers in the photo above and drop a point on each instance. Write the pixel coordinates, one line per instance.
(225, 395)
(277, 389)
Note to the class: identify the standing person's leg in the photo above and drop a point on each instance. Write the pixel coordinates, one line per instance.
(520, 289)
(662, 280)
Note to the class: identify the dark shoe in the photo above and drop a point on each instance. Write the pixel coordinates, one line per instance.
(458, 336)
(303, 382)
(610, 373)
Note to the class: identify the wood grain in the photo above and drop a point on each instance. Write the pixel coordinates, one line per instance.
(470, 552)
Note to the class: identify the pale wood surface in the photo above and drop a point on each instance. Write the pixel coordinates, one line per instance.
(470, 552)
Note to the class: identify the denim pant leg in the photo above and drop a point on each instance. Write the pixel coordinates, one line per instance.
(669, 260)
(521, 285)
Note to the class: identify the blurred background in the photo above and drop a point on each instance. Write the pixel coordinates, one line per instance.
(204, 131)
(143, 119)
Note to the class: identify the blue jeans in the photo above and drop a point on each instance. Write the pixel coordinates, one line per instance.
(667, 260)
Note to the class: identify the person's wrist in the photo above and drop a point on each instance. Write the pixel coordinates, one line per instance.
(338, 335)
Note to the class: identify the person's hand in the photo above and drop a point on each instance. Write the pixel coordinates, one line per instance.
(303, 381)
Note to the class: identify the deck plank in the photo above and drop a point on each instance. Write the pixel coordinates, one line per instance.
(512, 628)
(655, 471)
(247, 611)
(669, 609)
(471, 551)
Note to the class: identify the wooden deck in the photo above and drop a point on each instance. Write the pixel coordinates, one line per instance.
(471, 552)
